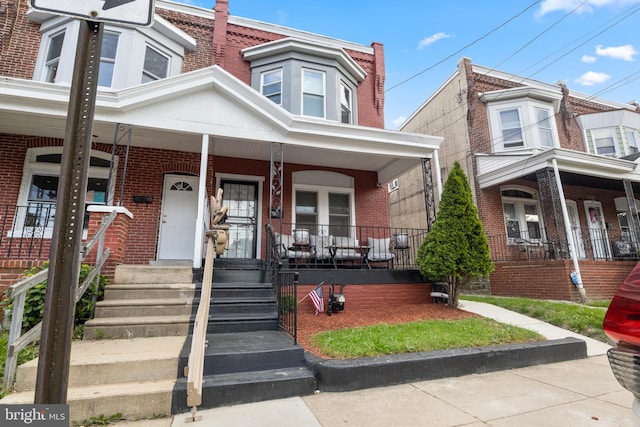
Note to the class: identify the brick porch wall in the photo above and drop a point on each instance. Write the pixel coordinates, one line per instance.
(551, 279)
(383, 297)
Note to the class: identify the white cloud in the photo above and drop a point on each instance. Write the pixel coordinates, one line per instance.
(397, 122)
(589, 59)
(432, 39)
(591, 78)
(626, 52)
(549, 6)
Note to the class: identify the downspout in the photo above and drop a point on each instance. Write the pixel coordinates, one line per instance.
(436, 166)
(202, 194)
(572, 245)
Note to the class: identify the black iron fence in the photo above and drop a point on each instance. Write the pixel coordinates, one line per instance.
(25, 231)
(341, 246)
(285, 286)
(591, 244)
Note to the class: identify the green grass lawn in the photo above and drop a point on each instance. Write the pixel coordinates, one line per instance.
(428, 335)
(582, 319)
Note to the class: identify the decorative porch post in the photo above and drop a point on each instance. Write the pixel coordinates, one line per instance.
(550, 200)
(429, 199)
(276, 181)
(634, 222)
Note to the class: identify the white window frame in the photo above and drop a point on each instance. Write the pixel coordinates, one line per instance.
(323, 204)
(32, 167)
(605, 134)
(521, 215)
(633, 140)
(263, 85)
(149, 74)
(348, 107)
(531, 131)
(108, 60)
(322, 95)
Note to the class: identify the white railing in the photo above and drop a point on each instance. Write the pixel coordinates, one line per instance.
(18, 291)
(194, 370)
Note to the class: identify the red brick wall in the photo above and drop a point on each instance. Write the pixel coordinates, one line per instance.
(383, 297)
(551, 279)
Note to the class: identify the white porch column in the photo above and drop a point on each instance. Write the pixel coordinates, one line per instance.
(202, 204)
(436, 166)
(572, 244)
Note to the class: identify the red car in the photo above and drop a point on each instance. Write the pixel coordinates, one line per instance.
(622, 325)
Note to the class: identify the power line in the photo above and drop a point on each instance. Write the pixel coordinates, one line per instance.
(465, 47)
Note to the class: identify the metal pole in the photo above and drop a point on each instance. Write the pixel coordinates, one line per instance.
(64, 258)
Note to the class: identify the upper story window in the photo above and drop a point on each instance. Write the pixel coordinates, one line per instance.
(156, 65)
(522, 118)
(307, 78)
(604, 142)
(53, 57)
(346, 113)
(313, 93)
(107, 58)
(632, 140)
(126, 60)
(271, 85)
(511, 127)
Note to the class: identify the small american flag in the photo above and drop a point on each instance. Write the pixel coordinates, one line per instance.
(316, 298)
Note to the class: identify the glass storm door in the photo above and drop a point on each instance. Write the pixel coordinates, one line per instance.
(597, 230)
(241, 197)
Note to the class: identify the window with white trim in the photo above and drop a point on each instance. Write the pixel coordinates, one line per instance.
(156, 65)
(271, 85)
(108, 58)
(604, 142)
(632, 140)
(313, 93)
(346, 110)
(52, 61)
(39, 188)
(522, 218)
(511, 128)
(522, 125)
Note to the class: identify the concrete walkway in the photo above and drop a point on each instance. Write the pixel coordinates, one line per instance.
(575, 393)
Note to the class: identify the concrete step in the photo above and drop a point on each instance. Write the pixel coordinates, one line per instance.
(113, 361)
(245, 387)
(134, 400)
(159, 274)
(143, 326)
(144, 307)
(149, 290)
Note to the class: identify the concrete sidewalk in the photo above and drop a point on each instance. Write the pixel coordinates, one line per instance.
(574, 393)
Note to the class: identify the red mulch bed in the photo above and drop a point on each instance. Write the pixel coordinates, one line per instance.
(310, 324)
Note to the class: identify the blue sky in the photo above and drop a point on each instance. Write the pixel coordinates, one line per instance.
(591, 45)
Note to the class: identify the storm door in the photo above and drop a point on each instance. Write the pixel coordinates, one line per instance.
(241, 197)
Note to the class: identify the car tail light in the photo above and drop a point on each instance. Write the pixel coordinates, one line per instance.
(622, 321)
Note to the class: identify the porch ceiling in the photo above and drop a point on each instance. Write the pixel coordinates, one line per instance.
(174, 113)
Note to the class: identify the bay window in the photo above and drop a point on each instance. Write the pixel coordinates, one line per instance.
(271, 85)
(313, 93)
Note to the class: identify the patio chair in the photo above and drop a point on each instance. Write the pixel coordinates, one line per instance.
(380, 251)
(320, 247)
(345, 249)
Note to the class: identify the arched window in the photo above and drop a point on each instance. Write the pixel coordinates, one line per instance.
(39, 187)
(522, 218)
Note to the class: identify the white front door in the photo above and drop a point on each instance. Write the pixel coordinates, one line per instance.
(572, 210)
(178, 217)
(597, 230)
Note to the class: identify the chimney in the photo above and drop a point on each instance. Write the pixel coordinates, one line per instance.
(221, 10)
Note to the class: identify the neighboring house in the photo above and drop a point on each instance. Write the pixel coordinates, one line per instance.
(554, 174)
(287, 122)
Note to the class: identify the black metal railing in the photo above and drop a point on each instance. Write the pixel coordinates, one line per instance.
(24, 230)
(591, 244)
(285, 287)
(328, 246)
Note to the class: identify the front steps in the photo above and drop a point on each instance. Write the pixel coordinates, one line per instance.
(134, 377)
(144, 301)
(247, 358)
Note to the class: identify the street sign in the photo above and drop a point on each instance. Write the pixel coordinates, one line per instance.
(125, 12)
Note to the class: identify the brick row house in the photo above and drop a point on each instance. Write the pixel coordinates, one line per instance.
(288, 123)
(554, 174)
